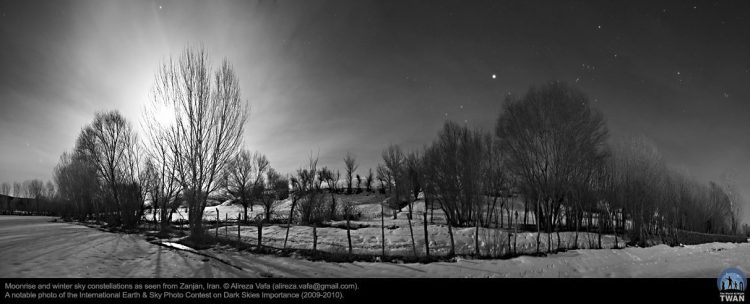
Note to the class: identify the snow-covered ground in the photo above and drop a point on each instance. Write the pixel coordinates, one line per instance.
(35, 247)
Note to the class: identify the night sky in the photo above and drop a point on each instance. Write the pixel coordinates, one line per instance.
(327, 77)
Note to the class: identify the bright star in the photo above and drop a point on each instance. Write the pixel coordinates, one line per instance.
(494, 76)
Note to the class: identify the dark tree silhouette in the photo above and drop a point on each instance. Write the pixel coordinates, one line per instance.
(243, 178)
(545, 137)
(351, 166)
(111, 145)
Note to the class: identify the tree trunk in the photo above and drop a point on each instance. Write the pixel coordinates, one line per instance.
(426, 238)
(614, 228)
(164, 223)
(548, 219)
(599, 226)
(333, 207)
(315, 238)
(476, 239)
(575, 242)
(453, 245)
(501, 216)
(289, 221)
(411, 232)
(245, 208)
(348, 234)
(525, 211)
(260, 235)
(382, 230)
(218, 219)
(538, 230)
(239, 216)
(515, 236)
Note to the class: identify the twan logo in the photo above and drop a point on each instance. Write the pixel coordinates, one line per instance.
(732, 284)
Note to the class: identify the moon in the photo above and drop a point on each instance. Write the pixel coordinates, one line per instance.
(162, 114)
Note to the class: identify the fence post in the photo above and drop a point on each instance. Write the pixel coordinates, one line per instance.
(453, 244)
(476, 240)
(315, 238)
(382, 230)
(411, 232)
(426, 237)
(515, 236)
(348, 234)
(260, 235)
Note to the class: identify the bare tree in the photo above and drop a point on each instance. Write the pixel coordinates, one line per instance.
(393, 159)
(326, 175)
(161, 167)
(359, 184)
(36, 191)
(368, 180)
(276, 188)
(728, 181)
(544, 137)
(454, 172)
(351, 166)
(496, 185)
(311, 204)
(17, 189)
(639, 179)
(49, 190)
(243, 178)
(160, 183)
(77, 187)
(111, 145)
(385, 178)
(413, 172)
(5, 188)
(209, 119)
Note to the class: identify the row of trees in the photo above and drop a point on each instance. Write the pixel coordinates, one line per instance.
(34, 188)
(31, 195)
(194, 125)
(190, 154)
(550, 149)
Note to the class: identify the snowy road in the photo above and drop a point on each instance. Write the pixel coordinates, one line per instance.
(35, 247)
(32, 246)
